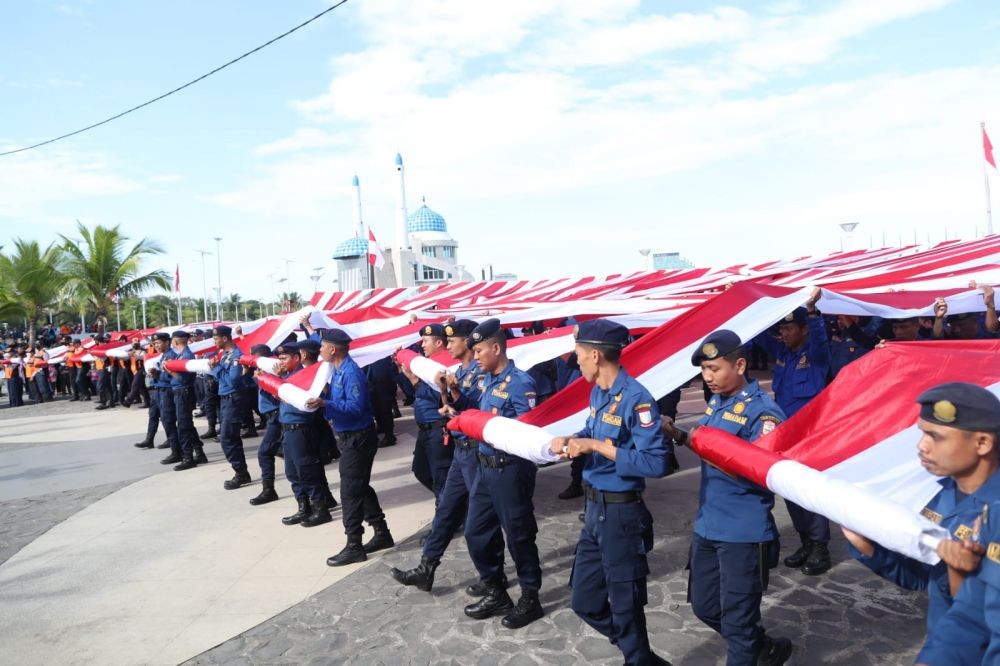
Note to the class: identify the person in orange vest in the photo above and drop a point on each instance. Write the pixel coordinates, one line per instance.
(138, 389)
(40, 364)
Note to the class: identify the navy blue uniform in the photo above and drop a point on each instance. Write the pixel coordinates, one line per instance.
(168, 412)
(431, 458)
(270, 444)
(500, 497)
(733, 521)
(610, 569)
(951, 510)
(852, 343)
(452, 503)
(232, 390)
(182, 396)
(349, 408)
(303, 468)
(799, 376)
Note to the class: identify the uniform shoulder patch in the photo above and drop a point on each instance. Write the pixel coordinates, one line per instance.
(768, 423)
(645, 414)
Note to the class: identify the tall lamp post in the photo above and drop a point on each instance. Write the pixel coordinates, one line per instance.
(218, 264)
(645, 257)
(144, 312)
(204, 282)
(847, 243)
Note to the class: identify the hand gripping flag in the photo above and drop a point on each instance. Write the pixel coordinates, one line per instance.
(517, 438)
(300, 387)
(264, 363)
(426, 368)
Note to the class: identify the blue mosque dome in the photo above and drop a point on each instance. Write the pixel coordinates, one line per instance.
(352, 247)
(424, 219)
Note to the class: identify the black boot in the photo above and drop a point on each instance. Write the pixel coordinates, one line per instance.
(572, 492)
(208, 434)
(331, 501)
(248, 433)
(353, 552)
(172, 459)
(421, 577)
(496, 601)
(186, 463)
(144, 444)
(165, 445)
(319, 515)
(381, 540)
(528, 610)
(296, 518)
(481, 589)
(199, 455)
(818, 561)
(386, 441)
(267, 494)
(241, 478)
(798, 558)
(774, 651)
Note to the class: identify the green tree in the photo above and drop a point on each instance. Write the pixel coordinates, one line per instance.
(32, 280)
(102, 267)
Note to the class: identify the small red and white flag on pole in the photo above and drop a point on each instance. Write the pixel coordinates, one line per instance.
(375, 257)
(988, 148)
(177, 279)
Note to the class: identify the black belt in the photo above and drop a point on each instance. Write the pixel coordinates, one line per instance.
(179, 389)
(229, 396)
(498, 461)
(348, 433)
(430, 426)
(465, 444)
(608, 497)
(285, 427)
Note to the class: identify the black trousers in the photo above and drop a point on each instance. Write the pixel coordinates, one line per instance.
(360, 503)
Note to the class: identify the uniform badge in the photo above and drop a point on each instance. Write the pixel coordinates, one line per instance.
(738, 408)
(449, 331)
(931, 515)
(645, 415)
(963, 532)
(427, 330)
(945, 411)
(709, 350)
(768, 424)
(790, 316)
(993, 551)
(531, 401)
(803, 362)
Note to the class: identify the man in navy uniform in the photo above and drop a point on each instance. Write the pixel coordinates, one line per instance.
(348, 406)
(735, 540)
(228, 372)
(802, 364)
(463, 391)
(500, 497)
(622, 445)
(270, 445)
(181, 392)
(155, 380)
(959, 445)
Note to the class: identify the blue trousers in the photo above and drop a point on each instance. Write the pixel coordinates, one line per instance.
(187, 436)
(726, 590)
(270, 444)
(41, 380)
(303, 468)
(15, 390)
(500, 499)
(810, 526)
(453, 502)
(153, 418)
(609, 575)
(168, 417)
(231, 410)
(432, 460)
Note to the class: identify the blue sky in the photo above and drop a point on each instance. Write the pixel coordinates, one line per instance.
(556, 137)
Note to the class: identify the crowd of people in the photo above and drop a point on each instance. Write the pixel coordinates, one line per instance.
(486, 494)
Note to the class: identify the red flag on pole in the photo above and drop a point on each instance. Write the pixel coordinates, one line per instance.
(988, 148)
(177, 279)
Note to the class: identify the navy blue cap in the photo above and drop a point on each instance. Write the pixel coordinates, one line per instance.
(222, 331)
(797, 316)
(716, 345)
(535, 328)
(260, 350)
(336, 336)
(484, 331)
(287, 348)
(183, 335)
(435, 330)
(309, 346)
(460, 328)
(601, 332)
(961, 405)
(165, 337)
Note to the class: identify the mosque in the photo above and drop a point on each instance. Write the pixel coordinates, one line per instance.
(423, 252)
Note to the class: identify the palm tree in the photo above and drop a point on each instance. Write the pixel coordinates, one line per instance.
(32, 279)
(233, 302)
(291, 301)
(102, 269)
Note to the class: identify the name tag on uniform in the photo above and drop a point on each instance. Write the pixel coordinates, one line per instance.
(742, 420)
(503, 395)
(963, 532)
(993, 551)
(611, 419)
(932, 516)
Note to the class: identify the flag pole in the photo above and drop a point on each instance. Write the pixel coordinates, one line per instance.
(986, 182)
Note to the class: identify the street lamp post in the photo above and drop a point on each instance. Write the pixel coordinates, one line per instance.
(204, 283)
(645, 257)
(118, 311)
(135, 324)
(848, 228)
(144, 312)
(218, 264)
(284, 297)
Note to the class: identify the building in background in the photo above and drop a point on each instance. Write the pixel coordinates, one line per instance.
(663, 261)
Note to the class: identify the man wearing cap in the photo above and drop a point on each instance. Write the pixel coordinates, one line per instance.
(348, 407)
(228, 372)
(622, 445)
(500, 498)
(802, 364)
(735, 541)
(270, 445)
(966, 325)
(157, 381)
(431, 458)
(188, 451)
(464, 390)
(959, 423)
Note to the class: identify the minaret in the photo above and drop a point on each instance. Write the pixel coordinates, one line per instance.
(402, 238)
(359, 227)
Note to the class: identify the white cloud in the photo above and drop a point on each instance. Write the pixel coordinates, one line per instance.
(304, 138)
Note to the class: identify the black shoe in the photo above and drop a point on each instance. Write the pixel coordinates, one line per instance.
(198, 414)
(208, 434)
(318, 516)
(186, 463)
(267, 494)
(818, 561)
(353, 552)
(381, 540)
(248, 433)
(798, 558)
(386, 441)
(172, 459)
(572, 492)
(165, 445)
(144, 444)
(481, 589)
(421, 577)
(395, 412)
(144, 405)
(774, 651)
(658, 660)
(407, 402)
(241, 478)
(199, 455)
(496, 601)
(296, 518)
(528, 610)
(101, 406)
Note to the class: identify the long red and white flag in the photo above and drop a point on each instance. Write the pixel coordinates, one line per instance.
(375, 257)
(988, 148)
(300, 387)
